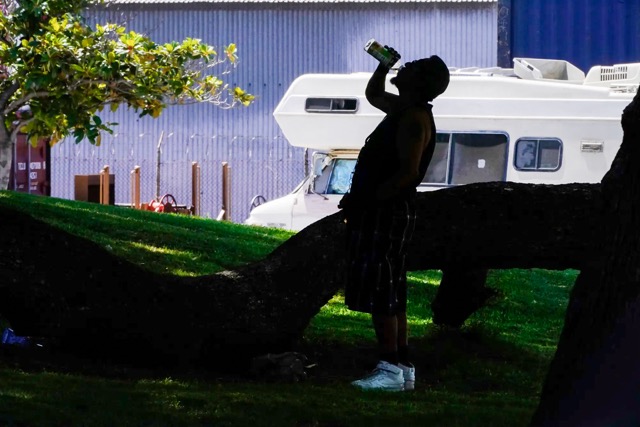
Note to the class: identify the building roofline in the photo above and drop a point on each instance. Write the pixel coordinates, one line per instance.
(293, 1)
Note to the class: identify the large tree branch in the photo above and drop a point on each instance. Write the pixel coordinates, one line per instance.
(17, 103)
(98, 303)
(6, 95)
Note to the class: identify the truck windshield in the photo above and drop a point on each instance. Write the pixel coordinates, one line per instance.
(336, 179)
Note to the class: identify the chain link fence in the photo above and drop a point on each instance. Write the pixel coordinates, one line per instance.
(269, 167)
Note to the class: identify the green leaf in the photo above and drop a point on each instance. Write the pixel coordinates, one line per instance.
(77, 70)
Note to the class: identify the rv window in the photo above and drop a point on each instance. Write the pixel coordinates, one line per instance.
(320, 161)
(323, 166)
(538, 154)
(478, 157)
(437, 171)
(340, 180)
(327, 105)
(467, 157)
(550, 154)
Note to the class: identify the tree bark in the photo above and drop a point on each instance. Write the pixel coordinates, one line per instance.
(6, 157)
(461, 292)
(95, 303)
(594, 378)
(6, 142)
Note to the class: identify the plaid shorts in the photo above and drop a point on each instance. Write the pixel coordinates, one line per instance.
(377, 241)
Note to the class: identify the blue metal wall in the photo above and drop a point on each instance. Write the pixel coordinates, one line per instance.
(583, 32)
(276, 43)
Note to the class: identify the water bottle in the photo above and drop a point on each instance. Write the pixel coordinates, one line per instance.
(9, 337)
(378, 51)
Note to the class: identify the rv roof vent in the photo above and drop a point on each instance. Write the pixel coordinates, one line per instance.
(548, 70)
(618, 74)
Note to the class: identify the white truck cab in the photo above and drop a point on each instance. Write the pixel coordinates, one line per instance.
(541, 122)
(314, 198)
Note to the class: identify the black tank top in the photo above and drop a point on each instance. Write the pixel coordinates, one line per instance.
(378, 160)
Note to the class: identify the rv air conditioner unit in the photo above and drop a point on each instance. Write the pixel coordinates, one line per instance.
(614, 75)
(547, 69)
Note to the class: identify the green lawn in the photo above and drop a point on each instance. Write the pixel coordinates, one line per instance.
(487, 373)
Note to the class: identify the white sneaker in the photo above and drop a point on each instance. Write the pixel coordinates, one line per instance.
(384, 377)
(409, 375)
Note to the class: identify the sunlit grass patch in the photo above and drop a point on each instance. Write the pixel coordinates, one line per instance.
(489, 372)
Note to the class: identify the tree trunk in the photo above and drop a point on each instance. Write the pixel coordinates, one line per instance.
(6, 157)
(461, 292)
(6, 143)
(94, 302)
(594, 378)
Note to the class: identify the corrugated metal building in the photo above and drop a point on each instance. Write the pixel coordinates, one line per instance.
(583, 32)
(277, 41)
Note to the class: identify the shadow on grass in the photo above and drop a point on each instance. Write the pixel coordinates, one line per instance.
(466, 360)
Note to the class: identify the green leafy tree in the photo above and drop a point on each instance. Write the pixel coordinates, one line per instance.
(57, 74)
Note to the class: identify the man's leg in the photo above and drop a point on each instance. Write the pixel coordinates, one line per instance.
(386, 328)
(387, 375)
(402, 337)
(404, 363)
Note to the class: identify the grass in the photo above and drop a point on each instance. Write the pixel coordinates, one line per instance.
(487, 373)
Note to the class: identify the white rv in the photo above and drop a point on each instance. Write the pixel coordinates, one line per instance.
(541, 122)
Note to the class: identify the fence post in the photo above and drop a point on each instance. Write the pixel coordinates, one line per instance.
(104, 185)
(135, 187)
(195, 188)
(158, 155)
(225, 213)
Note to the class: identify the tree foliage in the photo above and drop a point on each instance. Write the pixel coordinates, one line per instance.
(67, 72)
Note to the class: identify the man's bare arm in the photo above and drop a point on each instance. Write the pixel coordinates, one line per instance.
(376, 93)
